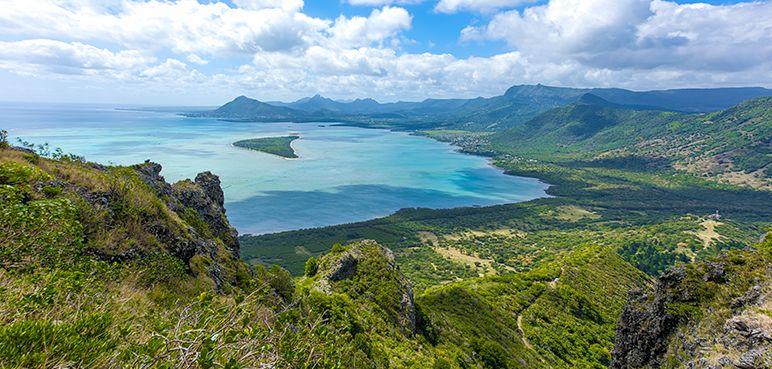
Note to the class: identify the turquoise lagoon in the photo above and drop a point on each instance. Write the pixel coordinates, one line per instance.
(344, 174)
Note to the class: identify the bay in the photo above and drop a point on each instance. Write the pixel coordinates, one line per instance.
(344, 174)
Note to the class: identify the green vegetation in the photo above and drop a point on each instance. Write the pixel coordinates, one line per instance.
(281, 146)
(98, 275)
(653, 214)
(113, 267)
(731, 145)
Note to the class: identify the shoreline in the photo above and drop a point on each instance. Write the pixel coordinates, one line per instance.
(458, 149)
(293, 135)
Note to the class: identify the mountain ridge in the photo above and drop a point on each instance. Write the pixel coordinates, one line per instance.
(517, 105)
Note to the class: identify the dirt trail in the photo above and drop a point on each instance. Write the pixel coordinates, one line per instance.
(522, 333)
(708, 235)
(552, 284)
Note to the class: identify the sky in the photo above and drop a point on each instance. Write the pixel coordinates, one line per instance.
(206, 52)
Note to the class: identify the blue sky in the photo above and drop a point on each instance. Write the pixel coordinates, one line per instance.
(206, 52)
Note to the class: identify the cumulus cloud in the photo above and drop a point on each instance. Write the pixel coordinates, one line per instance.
(484, 6)
(362, 31)
(638, 34)
(271, 49)
(41, 55)
(184, 26)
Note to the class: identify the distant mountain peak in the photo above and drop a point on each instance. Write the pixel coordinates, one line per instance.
(592, 99)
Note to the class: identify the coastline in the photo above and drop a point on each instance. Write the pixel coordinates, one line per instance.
(293, 135)
(455, 148)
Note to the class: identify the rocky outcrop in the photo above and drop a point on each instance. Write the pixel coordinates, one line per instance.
(644, 328)
(201, 204)
(710, 315)
(367, 271)
(204, 195)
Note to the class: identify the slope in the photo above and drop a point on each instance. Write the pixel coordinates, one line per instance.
(734, 144)
(713, 314)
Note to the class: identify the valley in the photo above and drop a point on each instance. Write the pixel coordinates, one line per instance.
(543, 283)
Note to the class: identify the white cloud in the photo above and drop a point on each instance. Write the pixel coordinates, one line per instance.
(483, 6)
(193, 58)
(184, 26)
(638, 34)
(383, 2)
(41, 55)
(271, 49)
(380, 25)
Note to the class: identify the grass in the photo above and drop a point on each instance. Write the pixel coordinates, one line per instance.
(280, 146)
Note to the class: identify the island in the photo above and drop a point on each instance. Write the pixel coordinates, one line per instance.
(281, 146)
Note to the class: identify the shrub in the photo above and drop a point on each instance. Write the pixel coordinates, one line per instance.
(492, 355)
(52, 191)
(312, 265)
(337, 248)
(3, 139)
(281, 281)
(41, 343)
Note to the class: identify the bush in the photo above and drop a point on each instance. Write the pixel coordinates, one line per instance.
(337, 248)
(281, 281)
(3, 139)
(312, 265)
(492, 355)
(42, 343)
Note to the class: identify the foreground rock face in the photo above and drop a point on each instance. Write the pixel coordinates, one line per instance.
(204, 197)
(367, 270)
(644, 328)
(711, 315)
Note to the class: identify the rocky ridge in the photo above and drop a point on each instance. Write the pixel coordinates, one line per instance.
(710, 315)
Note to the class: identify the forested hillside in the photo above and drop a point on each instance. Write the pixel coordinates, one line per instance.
(734, 145)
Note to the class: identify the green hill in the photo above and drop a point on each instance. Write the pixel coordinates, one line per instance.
(734, 145)
(112, 266)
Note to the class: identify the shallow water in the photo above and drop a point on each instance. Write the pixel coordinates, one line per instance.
(344, 174)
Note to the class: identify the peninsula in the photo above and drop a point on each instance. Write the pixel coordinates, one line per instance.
(280, 146)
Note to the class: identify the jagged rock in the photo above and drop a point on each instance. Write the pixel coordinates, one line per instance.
(714, 272)
(345, 267)
(210, 183)
(684, 316)
(644, 326)
(749, 298)
(150, 174)
(753, 359)
(205, 196)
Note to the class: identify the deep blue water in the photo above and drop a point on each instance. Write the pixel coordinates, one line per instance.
(344, 174)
